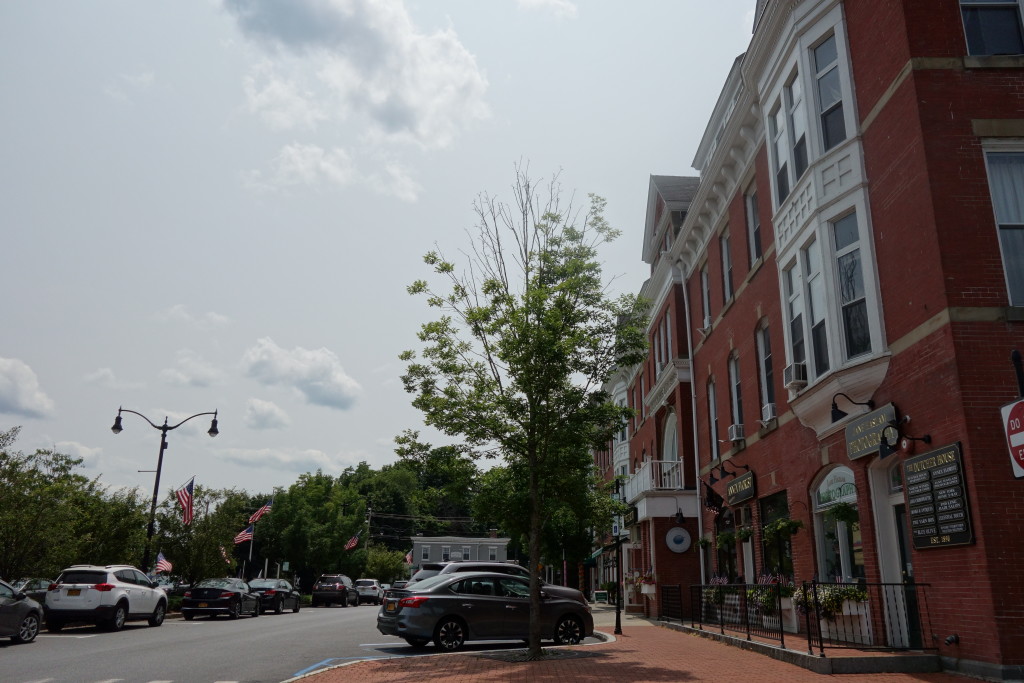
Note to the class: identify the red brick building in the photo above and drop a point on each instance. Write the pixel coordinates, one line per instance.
(855, 242)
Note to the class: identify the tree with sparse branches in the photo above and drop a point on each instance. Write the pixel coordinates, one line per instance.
(526, 337)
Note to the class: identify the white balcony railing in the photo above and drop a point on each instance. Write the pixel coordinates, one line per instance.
(655, 475)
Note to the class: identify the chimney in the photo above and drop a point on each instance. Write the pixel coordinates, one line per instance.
(493, 533)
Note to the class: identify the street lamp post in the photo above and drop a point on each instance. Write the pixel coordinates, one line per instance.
(164, 428)
(619, 588)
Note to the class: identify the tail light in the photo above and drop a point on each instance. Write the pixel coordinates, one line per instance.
(412, 601)
(53, 586)
(226, 594)
(270, 591)
(188, 594)
(104, 587)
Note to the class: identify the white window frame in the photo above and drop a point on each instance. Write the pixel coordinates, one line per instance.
(754, 246)
(713, 419)
(824, 108)
(492, 553)
(705, 293)
(851, 252)
(446, 553)
(765, 367)
(735, 389)
(425, 553)
(965, 5)
(727, 290)
(796, 123)
(1004, 219)
(778, 138)
(467, 552)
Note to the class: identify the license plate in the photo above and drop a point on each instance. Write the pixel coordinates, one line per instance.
(390, 607)
(74, 591)
(202, 604)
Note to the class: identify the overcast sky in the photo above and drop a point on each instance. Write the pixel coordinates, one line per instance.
(218, 204)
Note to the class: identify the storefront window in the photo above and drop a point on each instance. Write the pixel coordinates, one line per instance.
(778, 553)
(837, 517)
(725, 528)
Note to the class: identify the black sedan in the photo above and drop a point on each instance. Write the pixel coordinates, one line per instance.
(276, 594)
(20, 615)
(229, 596)
(453, 608)
(34, 588)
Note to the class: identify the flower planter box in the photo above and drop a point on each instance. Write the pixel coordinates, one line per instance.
(790, 620)
(648, 589)
(852, 625)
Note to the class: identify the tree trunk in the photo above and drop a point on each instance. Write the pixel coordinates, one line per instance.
(535, 524)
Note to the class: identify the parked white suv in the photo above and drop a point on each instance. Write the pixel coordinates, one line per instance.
(107, 596)
(369, 591)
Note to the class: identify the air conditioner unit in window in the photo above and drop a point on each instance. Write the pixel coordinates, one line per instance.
(735, 432)
(795, 376)
(706, 330)
(768, 413)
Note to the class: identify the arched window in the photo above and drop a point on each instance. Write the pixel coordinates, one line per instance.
(671, 472)
(837, 527)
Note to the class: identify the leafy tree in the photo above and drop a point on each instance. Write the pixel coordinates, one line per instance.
(525, 338)
(446, 485)
(385, 565)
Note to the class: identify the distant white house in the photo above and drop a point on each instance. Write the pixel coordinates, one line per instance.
(446, 548)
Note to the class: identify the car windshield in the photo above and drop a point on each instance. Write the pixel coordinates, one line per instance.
(263, 583)
(430, 582)
(216, 583)
(79, 576)
(365, 582)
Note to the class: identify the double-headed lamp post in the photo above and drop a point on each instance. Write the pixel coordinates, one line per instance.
(164, 428)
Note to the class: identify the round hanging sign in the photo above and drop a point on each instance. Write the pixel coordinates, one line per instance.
(677, 539)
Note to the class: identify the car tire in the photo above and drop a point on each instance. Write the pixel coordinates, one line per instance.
(234, 609)
(417, 642)
(158, 615)
(450, 634)
(257, 609)
(117, 619)
(568, 631)
(359, 601)
(27, 630)
(188, 616)
(279, 606)
(54, 625)
(298, 604)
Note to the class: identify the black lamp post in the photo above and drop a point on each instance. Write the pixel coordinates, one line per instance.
(619, 588)
(164, 428)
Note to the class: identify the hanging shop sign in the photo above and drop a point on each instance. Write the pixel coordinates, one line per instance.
(631, 517)
(937, 498)
(740, 489)
(864, 435)
(1013, 423)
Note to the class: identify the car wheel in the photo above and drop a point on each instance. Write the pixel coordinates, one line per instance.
(417, 642)
(568, 631)
(359, 601)
(158, 615)
(234, 609)
(298, 604)
(188, 616)
(117, 619)
(450, 634)
(279, 606)
(28, 630)
(257, 608)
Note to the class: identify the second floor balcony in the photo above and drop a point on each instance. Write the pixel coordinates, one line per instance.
(655, 476)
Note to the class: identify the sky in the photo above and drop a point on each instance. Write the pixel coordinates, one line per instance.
(219, 204)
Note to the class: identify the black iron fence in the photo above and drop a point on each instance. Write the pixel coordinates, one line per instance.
(867, 616)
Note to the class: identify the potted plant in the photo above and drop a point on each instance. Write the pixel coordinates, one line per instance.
(744, 533)
(781, 528)
(645, 583)
(704, 542)
(842, 609)
(844, 512)
(726, 539)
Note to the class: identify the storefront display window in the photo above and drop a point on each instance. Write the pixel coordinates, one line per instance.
(778, 552)
(837, 525)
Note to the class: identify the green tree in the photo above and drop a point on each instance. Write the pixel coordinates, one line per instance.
(385, 565)
(525, 338)
(446, 479)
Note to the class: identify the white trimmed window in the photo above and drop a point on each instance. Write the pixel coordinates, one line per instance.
(811, 257)
(797, 124)
(705, 295)
(765, 371)
(735, 391)
(993, 27)
(727, 291)
(492, 553)
(1006, 182)
(425, 553)
(856, 332)
(446, 553)
(713, 419)
(829, 92)
(780, 151)
(753, 225)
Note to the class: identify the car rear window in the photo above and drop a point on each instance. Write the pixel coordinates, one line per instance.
(83, 577)
(263, 583)
(365, 582)
(330, 579)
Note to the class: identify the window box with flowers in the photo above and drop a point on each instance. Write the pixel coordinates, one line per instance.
(843, 611)
(774, 601)
(645, 583)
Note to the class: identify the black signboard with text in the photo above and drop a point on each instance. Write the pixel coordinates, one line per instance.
(937, 498)
(742, 488)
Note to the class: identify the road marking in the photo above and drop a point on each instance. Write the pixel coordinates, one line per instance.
(311, 668)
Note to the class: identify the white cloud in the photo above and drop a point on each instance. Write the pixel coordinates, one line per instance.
(191, 370)
(105, 377)
(288, 460)
(265, 415)
(559, 8)
(414, 87)
(396, 181)
(20, 393)
(281, 102)
(316, 374)
(90, 456)
(179, 313)
(308, 165)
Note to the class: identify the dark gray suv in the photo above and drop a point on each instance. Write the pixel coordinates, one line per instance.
(334, 588)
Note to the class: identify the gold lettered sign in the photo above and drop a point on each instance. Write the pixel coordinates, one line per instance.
(864, 435)
(742, 488)
(937, 498)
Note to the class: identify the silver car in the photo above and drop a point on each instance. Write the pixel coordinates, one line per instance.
(451, 609)
(20, 615)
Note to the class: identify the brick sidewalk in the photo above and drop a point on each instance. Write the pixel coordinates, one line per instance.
(644, 652)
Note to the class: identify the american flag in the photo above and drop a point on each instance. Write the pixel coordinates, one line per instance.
(244, 535)
(224, 554)
(408, 557)
(262, 511)
(184, 495)
(352, 542)
(162, 565)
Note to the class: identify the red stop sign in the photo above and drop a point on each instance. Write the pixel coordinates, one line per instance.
(1013, 420)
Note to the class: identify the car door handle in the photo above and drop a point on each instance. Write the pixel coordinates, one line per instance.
(467, 605)
(510, 607)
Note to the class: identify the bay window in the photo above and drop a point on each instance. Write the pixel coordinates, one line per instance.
(830, 93)
(1006, 183)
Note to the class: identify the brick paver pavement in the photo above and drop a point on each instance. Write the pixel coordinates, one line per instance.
(644, 652)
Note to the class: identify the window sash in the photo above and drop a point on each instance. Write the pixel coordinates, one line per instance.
(1006, 184)
(726, 268)
(992, 28)
(735, 391)
(753, 227)
(765, 371)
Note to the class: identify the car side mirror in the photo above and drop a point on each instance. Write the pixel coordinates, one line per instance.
(20, 596)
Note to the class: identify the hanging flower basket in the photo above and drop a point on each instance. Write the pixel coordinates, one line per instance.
(781, 528)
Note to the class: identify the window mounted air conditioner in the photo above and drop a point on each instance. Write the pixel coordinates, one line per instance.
(795, 376)
(706, 330)
(768, 413)
(735, 433)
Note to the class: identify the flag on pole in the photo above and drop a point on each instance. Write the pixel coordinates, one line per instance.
(244, 535)
(352, 542)
(162, 565)
(408, 557)
(224, 554)
(184, 495)
(262, 511)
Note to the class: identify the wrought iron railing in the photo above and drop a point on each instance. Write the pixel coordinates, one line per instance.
(866, 616)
